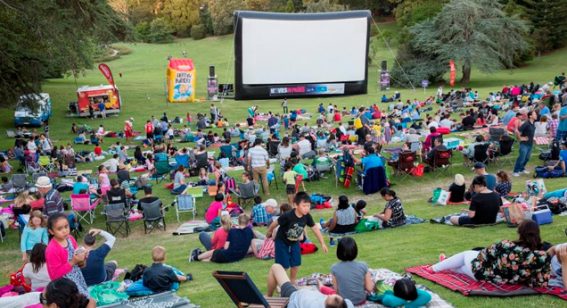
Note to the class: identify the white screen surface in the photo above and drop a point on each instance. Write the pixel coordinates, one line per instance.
(303, 51)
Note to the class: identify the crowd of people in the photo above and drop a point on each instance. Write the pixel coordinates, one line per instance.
(355, 137)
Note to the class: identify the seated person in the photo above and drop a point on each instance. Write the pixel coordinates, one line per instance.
(96, 270)
(148, 197)
(158, 277)
(303, 297)
(524, 261)
(117, 194)
(351, 278)
(371, 160)
(236, 245)
(437, 146)
(428, 142)
(503, 184)
(259, 215)
(457, 189)
(468, 152)
(344, 218)
(35, 272)
(81, 186)
(213, 213)
(218, 239)
(562, 159)
(123, 174)
(393, 213)
(485, 205)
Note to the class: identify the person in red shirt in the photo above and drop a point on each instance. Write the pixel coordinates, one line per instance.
(149, 127)
(98, 150)
(128, 131)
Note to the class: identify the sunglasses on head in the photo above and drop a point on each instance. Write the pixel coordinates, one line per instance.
(43, 299)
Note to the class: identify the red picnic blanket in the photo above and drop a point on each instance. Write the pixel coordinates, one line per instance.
(468, 286)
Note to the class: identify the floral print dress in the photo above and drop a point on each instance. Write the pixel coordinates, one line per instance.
(75, 274)
(508, 262)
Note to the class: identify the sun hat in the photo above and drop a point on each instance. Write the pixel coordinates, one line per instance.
(43, 182)
(523, 110)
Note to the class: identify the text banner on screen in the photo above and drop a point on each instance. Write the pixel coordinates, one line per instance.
(309, 89)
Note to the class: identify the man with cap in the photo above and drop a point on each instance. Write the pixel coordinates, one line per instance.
(525, 134)
(53, 203)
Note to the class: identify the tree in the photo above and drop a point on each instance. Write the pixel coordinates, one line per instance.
(46, 39)
(408, 13)
(258, 5)
(222, 14)
(549, 21)
(181, 15)
(472, 32)
(323, 6)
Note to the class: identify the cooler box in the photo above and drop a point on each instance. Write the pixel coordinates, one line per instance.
(542, 216)
(452, 143)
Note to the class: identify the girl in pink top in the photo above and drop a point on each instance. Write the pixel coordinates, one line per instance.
(212, 216)
(62, 256)
(221, 234)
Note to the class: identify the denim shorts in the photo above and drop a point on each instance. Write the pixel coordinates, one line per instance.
(287, 255)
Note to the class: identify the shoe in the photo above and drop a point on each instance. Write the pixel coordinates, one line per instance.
(189, 277)
(194, 256)
(160, 224)
(321, 221)
(332, 242)
(526, 172)
(442, 257)
(515, 174)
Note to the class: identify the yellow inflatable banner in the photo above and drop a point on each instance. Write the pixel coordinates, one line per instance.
(181, 81)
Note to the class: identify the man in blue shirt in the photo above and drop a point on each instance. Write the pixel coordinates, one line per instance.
(544, 110)
(371, 160)
(80, 186)
(95, 270)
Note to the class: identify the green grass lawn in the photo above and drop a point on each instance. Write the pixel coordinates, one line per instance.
(142, 90)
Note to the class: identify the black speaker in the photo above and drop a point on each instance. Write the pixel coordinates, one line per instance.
(384, 65)
(212, 71)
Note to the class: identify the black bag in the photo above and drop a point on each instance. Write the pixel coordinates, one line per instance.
(2, 229)
(136, 273)
(555, 205)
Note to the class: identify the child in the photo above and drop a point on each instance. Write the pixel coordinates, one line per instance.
(158, 277)
(360, 208)
(344, 218)
(35, 272)
(103, 180)
(6, 184)
(213, 214)
(62, 256)
(351, 279)
(292, 225)
(289, 181)
(393, 214)
(34, 233)
(235, 248)
(259, 214)
(203, 177)
(264, 248)
(219, 237)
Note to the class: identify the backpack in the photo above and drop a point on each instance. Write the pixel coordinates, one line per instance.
(229, 183)
(136, 273)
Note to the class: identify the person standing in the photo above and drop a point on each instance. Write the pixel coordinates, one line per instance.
(284, 106)
(525, 135)
(562, 127)
(214, 112)
(102, 109)
(258, 163)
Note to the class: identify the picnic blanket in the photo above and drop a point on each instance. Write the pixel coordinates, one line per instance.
(373, 225)
(165, 299)
(467, 286)
(190, 226)
(387, 276)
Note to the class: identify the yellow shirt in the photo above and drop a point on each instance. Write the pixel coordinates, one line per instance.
(289, 177)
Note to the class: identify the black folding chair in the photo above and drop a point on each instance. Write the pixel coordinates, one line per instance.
(244, 293)
(246, 192)
(153, 216)
(480, 154)
(117, 219)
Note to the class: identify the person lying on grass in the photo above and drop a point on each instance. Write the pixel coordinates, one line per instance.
(524, 261)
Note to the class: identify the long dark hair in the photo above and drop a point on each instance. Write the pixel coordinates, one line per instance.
(64, 293)
(37, 257)
(343, 203)
(528, 230)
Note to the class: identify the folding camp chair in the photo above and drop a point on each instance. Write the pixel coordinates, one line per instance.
(246, 192)
(374, 180)
(480, 154)
(20, 182)
(244, 293)
(505, 150)
(338, 171)
(272, 177)
(153, 216)
(84, 207)
(299, 182)
(273, 148)
(405, 164)
(442, 160)
(117, 219)
(185, 203)
(162, 169)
